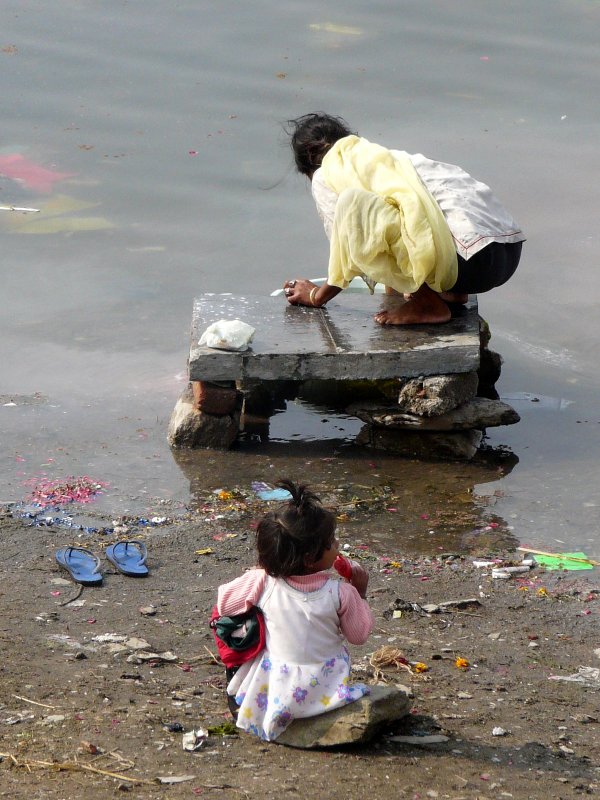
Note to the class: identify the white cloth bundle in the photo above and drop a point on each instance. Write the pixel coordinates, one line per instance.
(228, 335)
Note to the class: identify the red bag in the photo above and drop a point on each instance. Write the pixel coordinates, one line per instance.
(239, 638)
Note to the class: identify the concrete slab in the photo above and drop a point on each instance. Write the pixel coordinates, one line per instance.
(340, 341)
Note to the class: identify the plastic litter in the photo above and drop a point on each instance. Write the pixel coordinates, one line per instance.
(265, 492)
(193, 740)
(502, 573)
(159, 658)
(225, 334)
(169, 779)
(587, 676)
(563, 561)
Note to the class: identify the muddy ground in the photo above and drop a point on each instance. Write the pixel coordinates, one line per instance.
(80, 718)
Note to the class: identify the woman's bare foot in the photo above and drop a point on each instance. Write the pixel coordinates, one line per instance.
(424, 307)
(449, 297)
(455, 297)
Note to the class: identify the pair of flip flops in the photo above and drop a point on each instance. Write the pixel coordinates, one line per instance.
(84, 566)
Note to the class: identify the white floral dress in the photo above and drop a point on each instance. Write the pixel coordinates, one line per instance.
(305, 668)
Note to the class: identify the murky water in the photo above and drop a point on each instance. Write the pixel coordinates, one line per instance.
(150, 136)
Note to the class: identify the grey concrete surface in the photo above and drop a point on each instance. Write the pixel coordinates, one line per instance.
(340, 341)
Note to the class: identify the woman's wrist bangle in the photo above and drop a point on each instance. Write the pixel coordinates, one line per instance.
(311, 296)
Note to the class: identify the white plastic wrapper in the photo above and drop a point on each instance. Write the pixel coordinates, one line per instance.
(232, 334)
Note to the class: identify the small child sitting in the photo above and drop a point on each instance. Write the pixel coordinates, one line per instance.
(305, 668)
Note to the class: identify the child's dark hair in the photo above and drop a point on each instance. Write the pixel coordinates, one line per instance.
(312, 135)
(292, 538)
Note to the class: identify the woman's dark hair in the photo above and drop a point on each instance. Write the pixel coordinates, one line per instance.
(296, 535)
(312, 135)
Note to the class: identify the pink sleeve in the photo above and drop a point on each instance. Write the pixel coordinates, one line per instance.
(241, 594)
(356, 618)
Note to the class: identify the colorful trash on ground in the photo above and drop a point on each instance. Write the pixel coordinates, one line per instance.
(60, 491)
(564, 561)
(265, 492)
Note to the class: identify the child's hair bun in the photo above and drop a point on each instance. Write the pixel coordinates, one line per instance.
(294, 536)
(302, 498)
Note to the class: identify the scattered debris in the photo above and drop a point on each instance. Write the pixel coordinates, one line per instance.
(47, 493)
(396, 608)
(561, 561)
(587, 676)
(103, 638)
(388, 657)
(89, 747)
(142, 656)
(225, 729)
(265, 492)
(420, 741)
(54, 719)
(47, 616)
(451, 605)
(194, 740)
(504, 573)
(78, 766)
(33, 702)
(16, 717)
(169, 779)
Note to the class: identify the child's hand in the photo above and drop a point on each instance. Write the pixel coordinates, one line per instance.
(354, 573)
(359, 579)
(343, 566)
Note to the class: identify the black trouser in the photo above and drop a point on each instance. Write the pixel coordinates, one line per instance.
(490, 267)
(233, 706)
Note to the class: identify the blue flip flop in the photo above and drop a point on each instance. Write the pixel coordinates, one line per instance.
(81, 564)
(129, 558)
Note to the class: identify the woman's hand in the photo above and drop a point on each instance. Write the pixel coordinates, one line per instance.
(298, 292)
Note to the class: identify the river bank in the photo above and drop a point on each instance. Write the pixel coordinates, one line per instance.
(78, 691)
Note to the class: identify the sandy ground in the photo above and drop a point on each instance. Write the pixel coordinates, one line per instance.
(73, 711)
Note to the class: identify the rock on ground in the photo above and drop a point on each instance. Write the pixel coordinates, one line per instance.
(355, 723)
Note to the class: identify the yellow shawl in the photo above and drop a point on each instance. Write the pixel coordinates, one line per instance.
(387, 225)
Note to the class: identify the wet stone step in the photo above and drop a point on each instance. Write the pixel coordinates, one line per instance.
(340, 341)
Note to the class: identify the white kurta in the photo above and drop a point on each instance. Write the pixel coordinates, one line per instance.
(473, 213)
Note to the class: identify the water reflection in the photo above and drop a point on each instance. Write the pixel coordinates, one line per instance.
(173, 142)
(390, 504)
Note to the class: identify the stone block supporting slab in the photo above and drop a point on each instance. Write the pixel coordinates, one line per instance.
(437, 394)
(189, 427)
(263, 398)
(479, 413)
(425, 445)
(490, 367)
(214, 399)
(423, 378)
